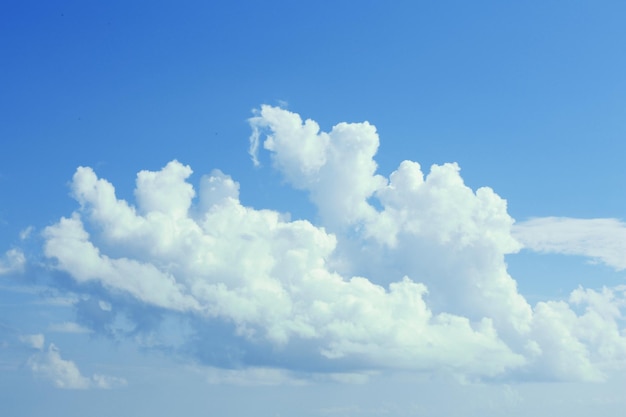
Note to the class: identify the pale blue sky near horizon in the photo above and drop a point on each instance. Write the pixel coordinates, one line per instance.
(528, 98)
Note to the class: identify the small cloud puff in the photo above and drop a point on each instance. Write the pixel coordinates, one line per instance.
(35, 341)
(13, 261)
(65, 374)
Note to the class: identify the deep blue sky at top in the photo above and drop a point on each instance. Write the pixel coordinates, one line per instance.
(529, 98)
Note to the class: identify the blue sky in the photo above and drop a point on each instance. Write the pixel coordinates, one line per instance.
(312, 208)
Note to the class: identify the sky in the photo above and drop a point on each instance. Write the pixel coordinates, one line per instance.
(312, 209)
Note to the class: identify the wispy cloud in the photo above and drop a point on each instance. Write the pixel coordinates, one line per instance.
(12, 261)
(65, 374)
(25, 233)
(603, 240)
(67, 327)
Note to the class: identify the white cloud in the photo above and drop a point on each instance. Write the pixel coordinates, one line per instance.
(65, 374)
(268, 276)
(104, 306)
(69, 243)
(336, 167)
(165, 191)
(35, 341)
(417, 283)
(107, 382)
(603, 240)
(582, 346)
(12, 261)
(424, 220)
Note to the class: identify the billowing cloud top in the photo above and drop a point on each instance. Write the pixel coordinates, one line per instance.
(417, 281)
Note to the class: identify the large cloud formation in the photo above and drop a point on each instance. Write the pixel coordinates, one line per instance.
(415, 281)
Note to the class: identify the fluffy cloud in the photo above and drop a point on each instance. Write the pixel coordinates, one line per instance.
(336, 167)
(65, 374)
(603, 240)
(417, 281)
(432, 228)
(581, 346)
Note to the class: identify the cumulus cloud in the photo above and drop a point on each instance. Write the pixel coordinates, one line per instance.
(336, 167)
(65, 374)
(424, 220)
(603, 240)
(416, 282)
(581, 346)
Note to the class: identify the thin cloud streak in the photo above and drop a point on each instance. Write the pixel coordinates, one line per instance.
(602, 240)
